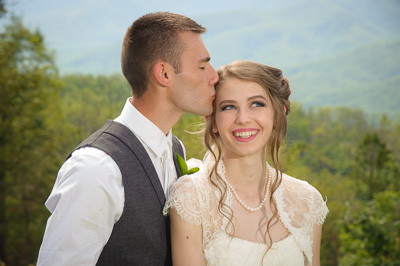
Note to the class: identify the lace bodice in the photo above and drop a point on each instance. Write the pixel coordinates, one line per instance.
(235, 251)
(196, 199)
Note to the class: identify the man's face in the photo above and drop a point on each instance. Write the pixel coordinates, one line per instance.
(193, 90)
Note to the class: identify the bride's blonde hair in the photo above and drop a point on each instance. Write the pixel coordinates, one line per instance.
(278, 90)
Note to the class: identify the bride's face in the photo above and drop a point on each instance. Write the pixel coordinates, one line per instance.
(243, 117)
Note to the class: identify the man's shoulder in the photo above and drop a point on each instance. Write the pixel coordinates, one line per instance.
(88, 159)
(89, 152)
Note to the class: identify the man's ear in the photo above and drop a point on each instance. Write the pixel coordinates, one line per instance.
(162, 73)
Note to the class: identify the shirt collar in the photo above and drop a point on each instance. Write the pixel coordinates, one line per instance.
(144, 129)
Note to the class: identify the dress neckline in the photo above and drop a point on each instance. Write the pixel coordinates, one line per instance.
(285, 238)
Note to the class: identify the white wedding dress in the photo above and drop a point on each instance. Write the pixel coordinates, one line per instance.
(234, 251)
(299, 205)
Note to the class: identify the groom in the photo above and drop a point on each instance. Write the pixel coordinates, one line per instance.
(107, 201)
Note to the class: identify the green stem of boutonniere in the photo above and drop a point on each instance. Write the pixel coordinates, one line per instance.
(184, 168)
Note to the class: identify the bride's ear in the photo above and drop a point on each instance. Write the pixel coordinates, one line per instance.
(215, 129)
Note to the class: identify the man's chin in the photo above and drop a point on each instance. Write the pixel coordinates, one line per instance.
(207, 112)
(202, 112)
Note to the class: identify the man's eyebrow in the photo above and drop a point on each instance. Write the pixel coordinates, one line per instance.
(205, 59)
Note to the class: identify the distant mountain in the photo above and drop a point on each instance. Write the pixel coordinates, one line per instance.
(334, 52)
(342, 53)
(367, 78)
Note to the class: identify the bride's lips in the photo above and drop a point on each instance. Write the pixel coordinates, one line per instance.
(245, 134)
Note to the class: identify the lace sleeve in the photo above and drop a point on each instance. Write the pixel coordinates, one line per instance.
(319, 209)
(185, 200)
(300, 206)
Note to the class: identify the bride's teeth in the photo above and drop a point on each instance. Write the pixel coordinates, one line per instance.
(246, 134)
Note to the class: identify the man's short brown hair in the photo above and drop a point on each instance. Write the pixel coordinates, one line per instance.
(153, 37)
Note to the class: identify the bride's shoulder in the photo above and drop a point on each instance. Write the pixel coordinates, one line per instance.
(292, 183)
(300, 190)
(294, 192)
(188, 196)
(192, 182)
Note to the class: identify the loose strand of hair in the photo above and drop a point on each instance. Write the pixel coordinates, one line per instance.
(223, 208)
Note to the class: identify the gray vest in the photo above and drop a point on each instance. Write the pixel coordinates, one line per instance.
(142, 235)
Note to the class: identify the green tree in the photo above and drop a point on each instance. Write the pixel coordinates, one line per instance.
(88, 101)
(319, 149)
(389, 132)
(2, 8)
(374, 169)
(329, 134)
(30, 134)
(395, 140)
(370, 233)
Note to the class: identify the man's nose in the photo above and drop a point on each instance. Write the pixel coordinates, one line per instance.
(214, 77)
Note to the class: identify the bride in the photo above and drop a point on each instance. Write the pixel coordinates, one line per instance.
(238, 209)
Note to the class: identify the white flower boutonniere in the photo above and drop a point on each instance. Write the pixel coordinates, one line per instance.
(183, 166)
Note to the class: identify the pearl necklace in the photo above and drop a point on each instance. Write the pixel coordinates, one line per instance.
(241, 202)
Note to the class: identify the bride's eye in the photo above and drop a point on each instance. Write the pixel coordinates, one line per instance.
(227, 107)
(258, 104)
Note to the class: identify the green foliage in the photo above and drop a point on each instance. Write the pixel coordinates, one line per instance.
(188, 130)
(374, 168)
(182, 164)
(321, 148)
(30, 137)
(89, 101)
(370, 233)
(327, 137)
(184, 168)
(2, 8)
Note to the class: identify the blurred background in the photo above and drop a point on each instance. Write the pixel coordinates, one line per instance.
(60, 80)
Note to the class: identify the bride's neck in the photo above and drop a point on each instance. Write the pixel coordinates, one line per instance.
(246, 173)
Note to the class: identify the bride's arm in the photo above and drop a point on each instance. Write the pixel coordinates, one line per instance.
(316, 244)
(186, 240)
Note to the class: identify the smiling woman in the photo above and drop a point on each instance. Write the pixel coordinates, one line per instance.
(239, 209)
(243, 118)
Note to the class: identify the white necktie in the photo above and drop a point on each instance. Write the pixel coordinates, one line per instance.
(166, 165)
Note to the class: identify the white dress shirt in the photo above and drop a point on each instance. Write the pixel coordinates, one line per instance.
(88, 196)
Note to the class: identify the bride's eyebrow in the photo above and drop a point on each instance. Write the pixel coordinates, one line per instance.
(248, 99)
(257, 97)
(226, 102)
